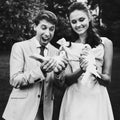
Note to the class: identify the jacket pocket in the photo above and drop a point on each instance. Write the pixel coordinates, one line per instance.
(18, 94)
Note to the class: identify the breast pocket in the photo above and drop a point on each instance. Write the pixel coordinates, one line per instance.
(18, 94)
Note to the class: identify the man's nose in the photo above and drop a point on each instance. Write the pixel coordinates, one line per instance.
(47, 33)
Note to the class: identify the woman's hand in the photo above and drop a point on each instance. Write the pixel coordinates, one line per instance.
(87, 59)
(84, 59)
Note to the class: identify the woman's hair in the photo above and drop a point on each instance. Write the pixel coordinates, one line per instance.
(47, 15)
(93, 38)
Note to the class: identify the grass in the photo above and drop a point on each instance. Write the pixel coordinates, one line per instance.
(114, 88)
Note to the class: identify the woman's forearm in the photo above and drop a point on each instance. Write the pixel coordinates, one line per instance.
(105, 79)
(72, 77)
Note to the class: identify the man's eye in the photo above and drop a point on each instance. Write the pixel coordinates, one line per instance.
(81, 19)
(52, 28)
(73, 21)
(43, 27)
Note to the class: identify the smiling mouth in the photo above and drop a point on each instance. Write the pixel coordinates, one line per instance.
(45, 39)
(79, 29)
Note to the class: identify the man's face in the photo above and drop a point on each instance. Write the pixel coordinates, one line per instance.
(44, 32)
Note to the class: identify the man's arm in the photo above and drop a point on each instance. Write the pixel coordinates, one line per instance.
(19, 77)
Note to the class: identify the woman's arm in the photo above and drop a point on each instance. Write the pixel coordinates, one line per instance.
(107, 66)
(71, 77)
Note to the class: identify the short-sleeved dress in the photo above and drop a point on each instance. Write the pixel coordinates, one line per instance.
(88, 101)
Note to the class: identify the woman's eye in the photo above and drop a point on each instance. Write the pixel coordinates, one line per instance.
(73, 21)
(81, 19)
(43, 27)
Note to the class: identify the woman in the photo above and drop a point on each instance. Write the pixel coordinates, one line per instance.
(87, 99)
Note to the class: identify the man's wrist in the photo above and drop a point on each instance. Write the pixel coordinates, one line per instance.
(43, 71)
(59, 78)
(57, 75)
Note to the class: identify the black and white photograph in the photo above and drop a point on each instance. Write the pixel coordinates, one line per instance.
(59, 60)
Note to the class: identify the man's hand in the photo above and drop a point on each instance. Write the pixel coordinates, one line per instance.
(48, 65)
(61, 64)
(56, 64)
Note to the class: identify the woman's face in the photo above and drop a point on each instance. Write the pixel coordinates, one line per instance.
(79, 21)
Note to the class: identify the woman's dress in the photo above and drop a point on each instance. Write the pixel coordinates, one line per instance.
(89, 101)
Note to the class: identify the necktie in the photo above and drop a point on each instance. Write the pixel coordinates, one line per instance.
(42, 48)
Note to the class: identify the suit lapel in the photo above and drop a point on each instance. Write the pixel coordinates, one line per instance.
(33, 46)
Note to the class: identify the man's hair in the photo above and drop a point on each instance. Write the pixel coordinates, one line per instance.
(46, 15)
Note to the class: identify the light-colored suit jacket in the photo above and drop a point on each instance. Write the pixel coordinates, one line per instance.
(27, 79)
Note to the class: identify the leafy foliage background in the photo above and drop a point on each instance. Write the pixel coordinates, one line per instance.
(16, 19)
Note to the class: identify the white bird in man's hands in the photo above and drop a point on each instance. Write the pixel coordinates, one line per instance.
(60, 60)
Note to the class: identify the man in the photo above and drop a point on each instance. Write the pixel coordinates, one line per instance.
(32, 80)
